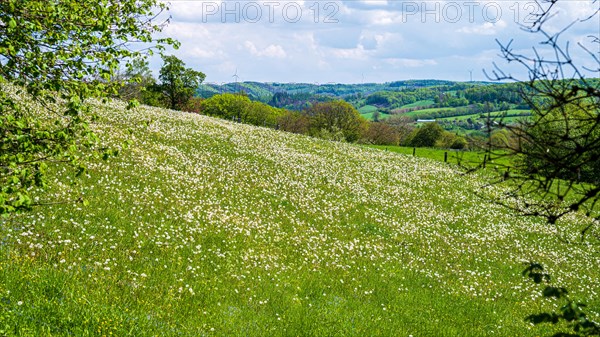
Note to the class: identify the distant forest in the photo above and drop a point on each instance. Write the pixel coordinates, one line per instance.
(394, 95)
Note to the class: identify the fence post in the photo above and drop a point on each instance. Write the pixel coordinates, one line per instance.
(506, 174)
(414, 151)
(446, 157)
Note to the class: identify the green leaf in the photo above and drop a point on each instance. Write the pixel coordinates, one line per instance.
(554, 292)
(61, 46)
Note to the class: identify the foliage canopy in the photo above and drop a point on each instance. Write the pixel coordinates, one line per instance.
(178, 83)
(337, 117)
(61, 50)
(240, 108)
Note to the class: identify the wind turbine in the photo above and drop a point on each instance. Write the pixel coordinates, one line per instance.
(235, 75)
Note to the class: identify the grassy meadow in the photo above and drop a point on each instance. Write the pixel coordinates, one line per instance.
(464, 159)
(367, 109)
(418, 104)
(509, 116)
(202, 227)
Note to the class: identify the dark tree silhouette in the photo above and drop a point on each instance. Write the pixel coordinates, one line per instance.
(559, 146)
(556, 153)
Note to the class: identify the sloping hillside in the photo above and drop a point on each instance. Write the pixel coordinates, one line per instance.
(205, 227)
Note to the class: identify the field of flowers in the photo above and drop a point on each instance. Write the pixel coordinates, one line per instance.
(202, 227)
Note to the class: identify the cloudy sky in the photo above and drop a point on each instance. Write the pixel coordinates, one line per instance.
(321, 41)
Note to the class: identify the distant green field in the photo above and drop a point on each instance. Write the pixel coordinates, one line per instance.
(508, 116)
(518, 111)
(424, 113)
(367, 109)
(369, 116)
(418, 104)
(431, 112)
(367, 112)
(464, 158)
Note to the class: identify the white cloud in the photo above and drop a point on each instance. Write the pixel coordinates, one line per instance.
(381, 17)
(357, 53)
(375, 38)
(188, 30)
(273, 51)
(410, 63)
(487, 28)
(374, 2)
(204, 53)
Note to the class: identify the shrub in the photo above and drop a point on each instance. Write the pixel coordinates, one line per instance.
(381, 134)
(334, 117)
(427, 135)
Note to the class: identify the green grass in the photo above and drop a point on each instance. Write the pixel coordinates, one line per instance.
(430, 112)
(516, 111)
(367, 116)
(425, 113)
(203, 227)
(367, 112)
(497, 162)
(507, 116)
(418, 104)
(367, 109)
(461, 158)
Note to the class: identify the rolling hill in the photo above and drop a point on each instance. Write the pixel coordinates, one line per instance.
(202, 227)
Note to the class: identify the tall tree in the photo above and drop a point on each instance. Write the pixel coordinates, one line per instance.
(178, 83)
(427, 135)
(136, 80)
(563, 136)
(337, 117)
(64, 51)
(379, 133)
